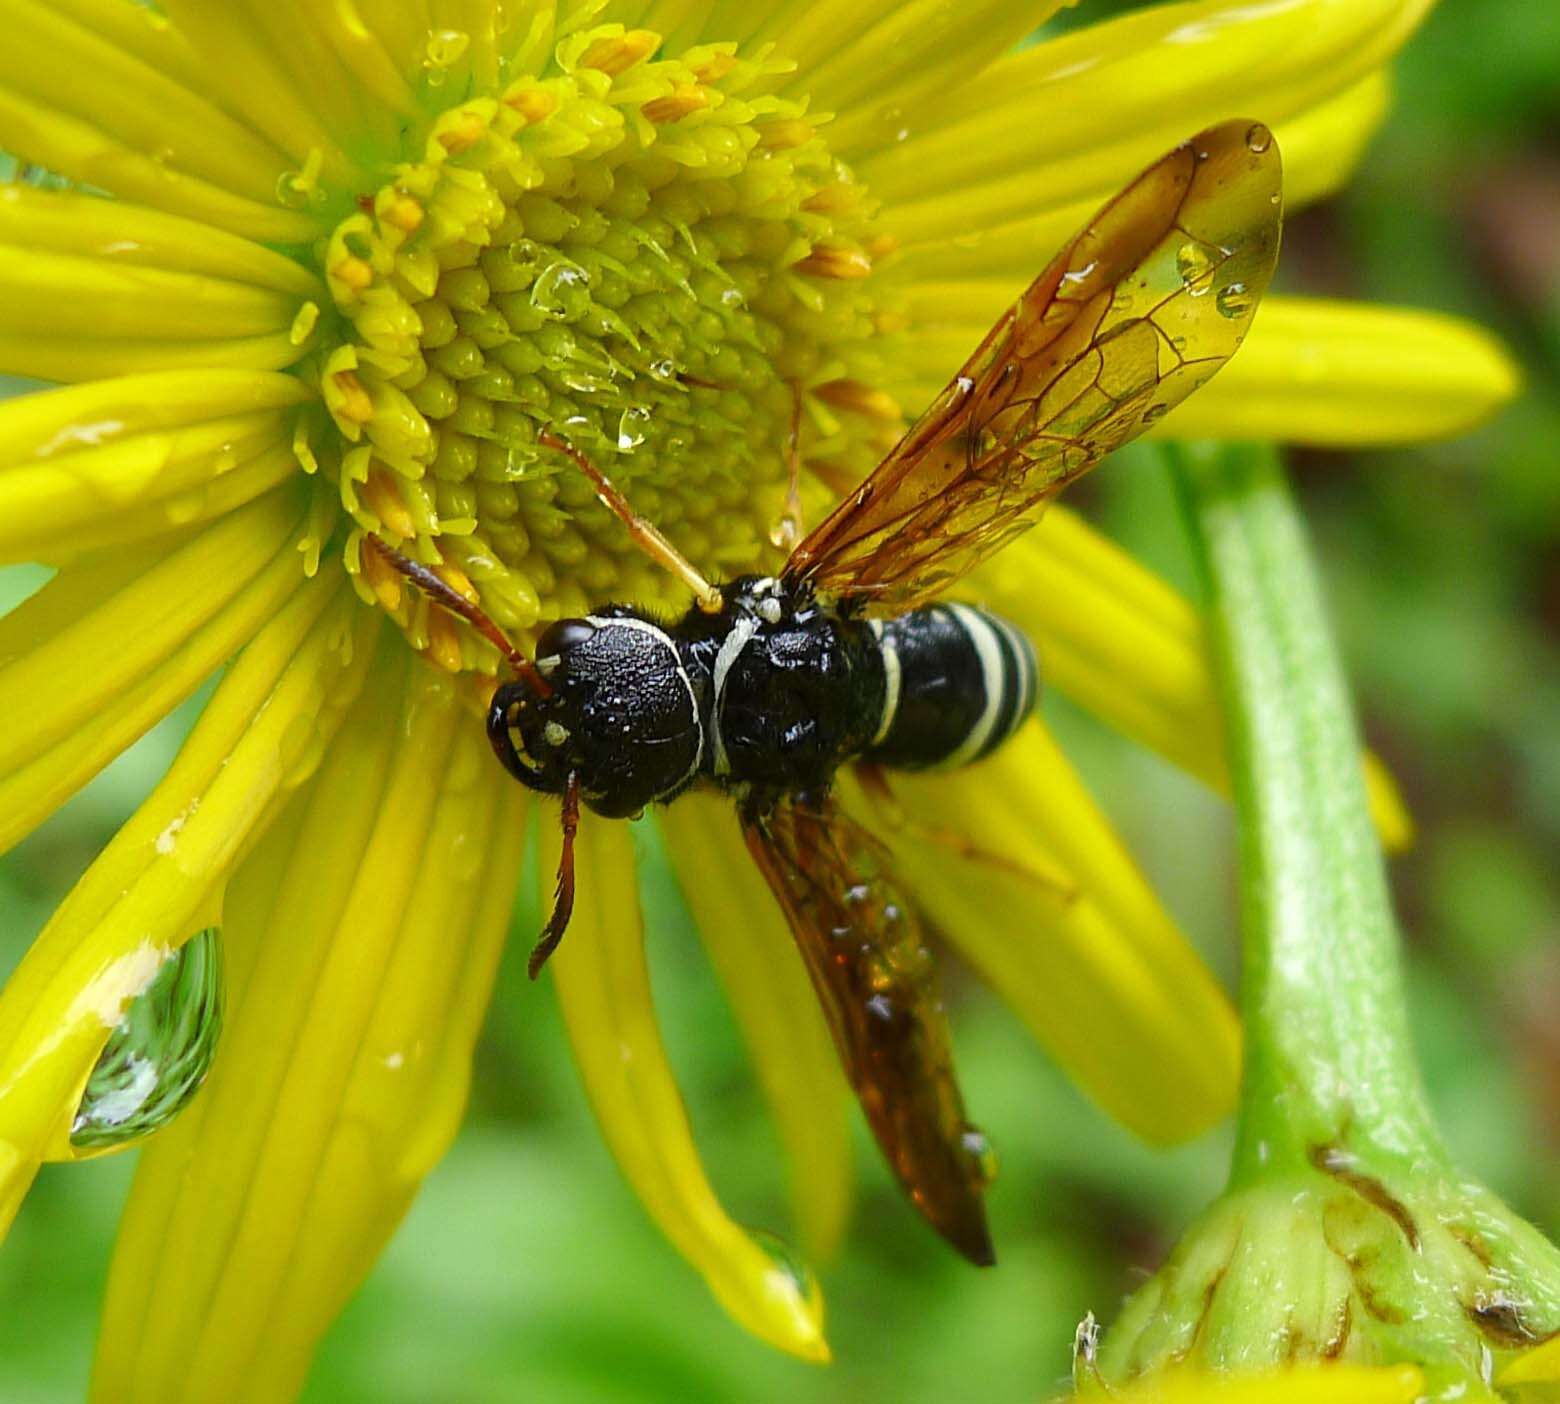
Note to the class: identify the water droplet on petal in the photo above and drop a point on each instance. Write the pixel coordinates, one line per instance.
(791, 1267)
(1258, 138)
(983, 1157)
(632, 424)
(160, 1051)
(562, 291)
(290, 191)
(445, 47)
(1233, 300)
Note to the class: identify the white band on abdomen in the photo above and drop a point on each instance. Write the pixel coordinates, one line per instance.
(988, 648)
(892, 680)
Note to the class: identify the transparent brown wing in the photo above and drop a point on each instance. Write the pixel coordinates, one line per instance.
(1133, 315)
(878, 985)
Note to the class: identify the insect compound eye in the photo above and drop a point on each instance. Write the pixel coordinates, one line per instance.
(503, 712)
(562, 635)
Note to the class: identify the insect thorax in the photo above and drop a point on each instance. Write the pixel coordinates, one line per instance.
(794, 689)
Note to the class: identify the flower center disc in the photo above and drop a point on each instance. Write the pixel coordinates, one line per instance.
(641, 257)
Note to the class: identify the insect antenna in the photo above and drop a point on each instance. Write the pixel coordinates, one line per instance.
(644, 533)
(443, 594)
(563, 896)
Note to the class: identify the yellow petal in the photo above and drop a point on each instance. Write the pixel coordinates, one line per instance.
(1121, 642)
(364, 934)
(1538, 1366)
(1334, 374)
(470, 39)
(1114, 637)
(67, 359)
(358, 40)
(94, 464)
(902, 58)
(155, 883)
(322, 52)
(732, 21)
(1322, 145)
(270, 98)
(1074, 118)
(682, 23)
(155, 481)
(604, 989)
(61, 295)
(73, 103)
(131, 236)
(1303, 1384)
(150, 624)
(969, 278)
(97, 158)
(139, 32)
(1100, 974)
(402, 34)
(752, 950)
(1388, 810)
(1341, 374)
(53, 57)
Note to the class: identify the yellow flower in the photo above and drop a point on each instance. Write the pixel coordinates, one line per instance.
(1304, 1384)
(356, 257)
(1313, 1383)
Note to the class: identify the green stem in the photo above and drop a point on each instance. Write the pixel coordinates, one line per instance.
(1329, 1061)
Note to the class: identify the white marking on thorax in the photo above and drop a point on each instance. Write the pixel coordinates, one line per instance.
(892, 678)
(644, 626)
(988, 649)
(742, 630)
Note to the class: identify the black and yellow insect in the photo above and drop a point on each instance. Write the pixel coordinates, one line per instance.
(769, 684)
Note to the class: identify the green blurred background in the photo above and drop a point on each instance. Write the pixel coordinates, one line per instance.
(527, 1270)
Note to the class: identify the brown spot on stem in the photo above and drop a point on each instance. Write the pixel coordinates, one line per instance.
(1359, 1265)
(1339, 1163)
(1472, 1241)
(1501, 1320)
(1332, 1348)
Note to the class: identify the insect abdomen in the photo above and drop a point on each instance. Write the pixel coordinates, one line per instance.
(960, 682)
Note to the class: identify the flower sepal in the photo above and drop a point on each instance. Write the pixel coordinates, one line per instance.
(1348, 1257)
(1346, 1238)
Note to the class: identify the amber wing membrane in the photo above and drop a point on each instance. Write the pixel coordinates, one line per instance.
(877, 981)
(1133, 315)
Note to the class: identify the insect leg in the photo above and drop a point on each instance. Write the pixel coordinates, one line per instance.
(442, 594)
(645, 535)
(874, 785)
(563, 898)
